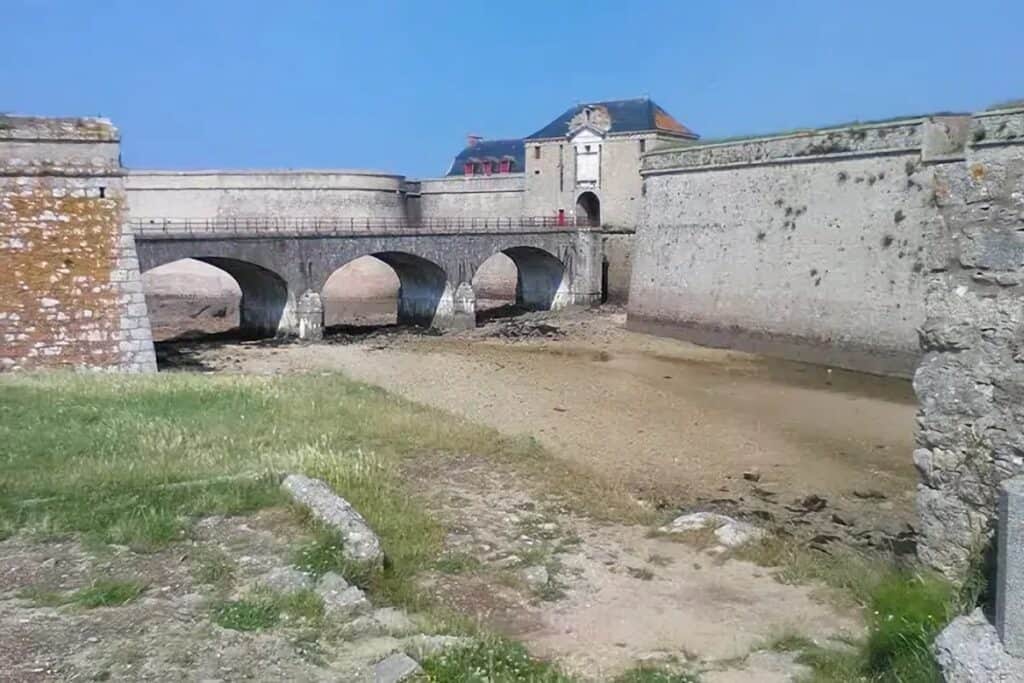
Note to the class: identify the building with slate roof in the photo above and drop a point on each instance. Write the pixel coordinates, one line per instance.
(583, 165)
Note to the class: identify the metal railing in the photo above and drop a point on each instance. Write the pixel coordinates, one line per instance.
(330, 226)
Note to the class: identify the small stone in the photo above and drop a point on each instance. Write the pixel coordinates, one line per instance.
(343, 603)
(507, 561)
(535, 577)
(397, 667)
(286, 580)
(728, 531)
(752, 475)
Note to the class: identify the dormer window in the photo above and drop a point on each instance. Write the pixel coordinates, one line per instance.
(506, 166)
(467, 168)
(487, 168)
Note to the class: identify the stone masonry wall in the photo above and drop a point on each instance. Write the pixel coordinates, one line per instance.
(70, 291)
(971, 381)
(807, 246)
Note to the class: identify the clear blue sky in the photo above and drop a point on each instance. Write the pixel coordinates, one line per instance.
(397, 85)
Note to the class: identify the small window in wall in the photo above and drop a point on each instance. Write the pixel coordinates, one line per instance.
(643, 146)
(103, 192)
(586, 148)
(467, 168)
(506, 166)
(536, 151)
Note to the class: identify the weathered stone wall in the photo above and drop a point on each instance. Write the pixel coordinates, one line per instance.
(496, 196)
(550, 181)
(808, 246)
(285, 194)
(70, 292)
(617, 249)
(971, 381)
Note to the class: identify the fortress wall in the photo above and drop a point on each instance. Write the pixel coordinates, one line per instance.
(240, 194)
(70, 292)
(496, 196)
(970, 383)
(808, 246)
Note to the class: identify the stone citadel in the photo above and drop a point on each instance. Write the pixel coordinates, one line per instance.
(879, 247)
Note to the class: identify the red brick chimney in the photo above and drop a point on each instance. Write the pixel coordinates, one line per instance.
(473, 140)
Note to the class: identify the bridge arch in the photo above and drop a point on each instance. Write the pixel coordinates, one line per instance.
(266, 307)
(425, 297)
(541, 279)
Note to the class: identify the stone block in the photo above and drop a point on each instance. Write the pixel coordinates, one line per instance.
(1010, 571)
(360, 543)
(397, 667)
(969, 651)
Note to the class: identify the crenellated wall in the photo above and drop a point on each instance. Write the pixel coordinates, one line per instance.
(809, 245)
(70, 292)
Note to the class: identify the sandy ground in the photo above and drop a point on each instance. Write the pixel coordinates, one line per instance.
(678, 424)
(823, 456)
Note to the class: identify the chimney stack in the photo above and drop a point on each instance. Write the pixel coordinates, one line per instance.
(473, 140)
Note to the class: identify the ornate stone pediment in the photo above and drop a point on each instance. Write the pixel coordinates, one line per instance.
(594, 117)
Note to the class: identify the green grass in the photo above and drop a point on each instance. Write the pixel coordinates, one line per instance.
(137, 460)
(107, 593)
(214, 566)
(490, 660)
(100, 593)
(457, 563)
(646, 674)
(266, 609)
(905, 609)
(247, 615)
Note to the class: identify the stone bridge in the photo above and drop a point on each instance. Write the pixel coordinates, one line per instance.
(282, 265)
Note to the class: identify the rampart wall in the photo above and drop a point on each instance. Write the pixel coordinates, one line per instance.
(288, 194)
(808, 245)
(70, 292)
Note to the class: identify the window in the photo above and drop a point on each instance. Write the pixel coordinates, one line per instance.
(536, 151)
(643, 146)
(487, 168)
(467, 168)
(586, 148)
(506, 166)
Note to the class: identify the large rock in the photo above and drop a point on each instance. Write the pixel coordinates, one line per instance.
(359, 542)
(969, 651)
(729, 532)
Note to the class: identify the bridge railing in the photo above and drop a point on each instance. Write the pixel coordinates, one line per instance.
(334, 226)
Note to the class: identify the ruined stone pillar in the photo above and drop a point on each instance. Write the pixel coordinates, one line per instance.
(309, 313)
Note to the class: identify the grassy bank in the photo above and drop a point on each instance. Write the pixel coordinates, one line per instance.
(136, 460)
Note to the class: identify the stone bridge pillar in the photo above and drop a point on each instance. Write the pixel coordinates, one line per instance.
(310, 317)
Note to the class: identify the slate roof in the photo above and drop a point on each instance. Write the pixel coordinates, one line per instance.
(491, 149)
(628, 116)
